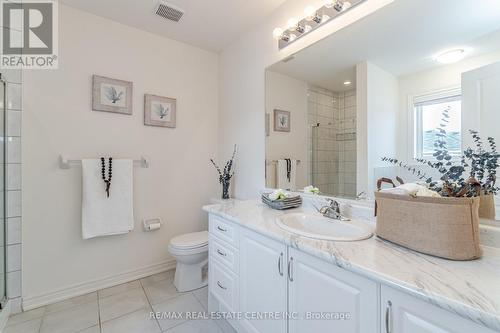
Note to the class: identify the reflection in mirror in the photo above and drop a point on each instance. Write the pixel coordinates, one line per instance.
(377, 88)
(321, 136)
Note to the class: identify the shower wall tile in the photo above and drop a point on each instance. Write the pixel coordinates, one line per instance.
(13, 177)
(13, 230)
(13, 203)
(13, 257)
(14, 284)
(350, 178)
(13, 150)
(13, 237)
(12, 75)
(13, 127)
(14, 96)
(332, 145)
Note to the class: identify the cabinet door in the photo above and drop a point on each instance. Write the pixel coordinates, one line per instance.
(262, 283)
(402, 313)
(326, 298)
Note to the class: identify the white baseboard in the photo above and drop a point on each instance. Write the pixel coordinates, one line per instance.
(32, 302)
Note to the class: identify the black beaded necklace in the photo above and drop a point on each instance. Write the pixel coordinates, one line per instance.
(107, 182)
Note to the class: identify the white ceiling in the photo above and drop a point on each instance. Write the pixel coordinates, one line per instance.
(209, 24)
(402, 38)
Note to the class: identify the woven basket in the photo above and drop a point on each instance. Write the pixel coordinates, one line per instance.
(443, 227)
(487, 206)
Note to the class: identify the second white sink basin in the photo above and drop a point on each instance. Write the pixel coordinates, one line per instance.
(320, 227)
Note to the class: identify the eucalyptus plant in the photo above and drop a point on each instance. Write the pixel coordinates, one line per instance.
(225, 174)
(475, 174)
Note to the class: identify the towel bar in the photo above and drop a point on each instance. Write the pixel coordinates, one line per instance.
(66, 163)
(276, 161)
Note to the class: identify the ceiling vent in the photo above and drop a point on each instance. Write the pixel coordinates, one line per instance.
(169, 11)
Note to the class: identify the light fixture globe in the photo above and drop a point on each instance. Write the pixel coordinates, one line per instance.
(329, 3)
(451, 56)
(346, 5)
(277, 33)
(310, 13)
(292, 23)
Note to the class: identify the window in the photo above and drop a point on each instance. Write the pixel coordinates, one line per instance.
(428, 114)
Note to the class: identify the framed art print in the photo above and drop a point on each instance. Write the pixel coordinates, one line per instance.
(281, 121)
(160, 111)
(111, 95)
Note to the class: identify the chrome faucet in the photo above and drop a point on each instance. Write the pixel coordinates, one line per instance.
(332, 211)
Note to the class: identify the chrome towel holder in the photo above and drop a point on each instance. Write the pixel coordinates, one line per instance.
(67, 163)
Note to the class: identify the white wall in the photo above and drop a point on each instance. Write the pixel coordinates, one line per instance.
(289, 94)
(58, 120)
(377, 98)
(242, 86)
(445, 76)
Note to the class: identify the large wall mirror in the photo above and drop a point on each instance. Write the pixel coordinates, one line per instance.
(378, 88)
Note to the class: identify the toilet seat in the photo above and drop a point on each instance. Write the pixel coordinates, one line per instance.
(186, 252)
(191, 241)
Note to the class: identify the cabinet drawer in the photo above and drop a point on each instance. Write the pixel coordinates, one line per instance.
(223, 253)
(223, 285)
(225, 230)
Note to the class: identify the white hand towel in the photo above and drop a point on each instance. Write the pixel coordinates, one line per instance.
(103, 216)
(282, 178)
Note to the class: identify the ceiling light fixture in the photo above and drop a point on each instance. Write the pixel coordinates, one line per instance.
(451, 56)
(313, 18)
(347, 83)
(312, 14)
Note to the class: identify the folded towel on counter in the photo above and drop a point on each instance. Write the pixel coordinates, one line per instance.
(103, 215)
(279, 194)
(411, 189)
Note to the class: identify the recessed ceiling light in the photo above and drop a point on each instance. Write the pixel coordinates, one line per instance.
(451, 56)
(347, 83)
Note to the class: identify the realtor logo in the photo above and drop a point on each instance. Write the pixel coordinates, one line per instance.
(30, 40)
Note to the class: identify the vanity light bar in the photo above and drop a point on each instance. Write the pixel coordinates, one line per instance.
(312, 20)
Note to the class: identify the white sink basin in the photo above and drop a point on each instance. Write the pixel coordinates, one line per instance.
(320, 227)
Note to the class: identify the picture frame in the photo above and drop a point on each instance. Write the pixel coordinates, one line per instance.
(282, 121)
(111, 95)
(160, 111)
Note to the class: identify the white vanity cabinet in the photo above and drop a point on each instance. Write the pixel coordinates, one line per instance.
(263, 283)
(274, 288)
(331, 298)
(402, 313)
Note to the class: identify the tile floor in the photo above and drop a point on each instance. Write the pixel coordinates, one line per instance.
(124, 308)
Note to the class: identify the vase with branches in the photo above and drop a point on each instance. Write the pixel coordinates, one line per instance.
(225, 174)
(473, 174)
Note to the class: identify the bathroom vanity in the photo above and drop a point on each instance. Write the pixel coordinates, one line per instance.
(266, 279)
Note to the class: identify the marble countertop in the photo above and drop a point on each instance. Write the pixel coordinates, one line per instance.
(470, 289)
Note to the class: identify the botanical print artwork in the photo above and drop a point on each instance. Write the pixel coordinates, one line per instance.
(281, 121)
(111, 95)
(160, 111)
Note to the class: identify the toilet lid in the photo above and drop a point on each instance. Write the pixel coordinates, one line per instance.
(192, 240)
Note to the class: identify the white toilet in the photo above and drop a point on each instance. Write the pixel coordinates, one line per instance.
(191, 253)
